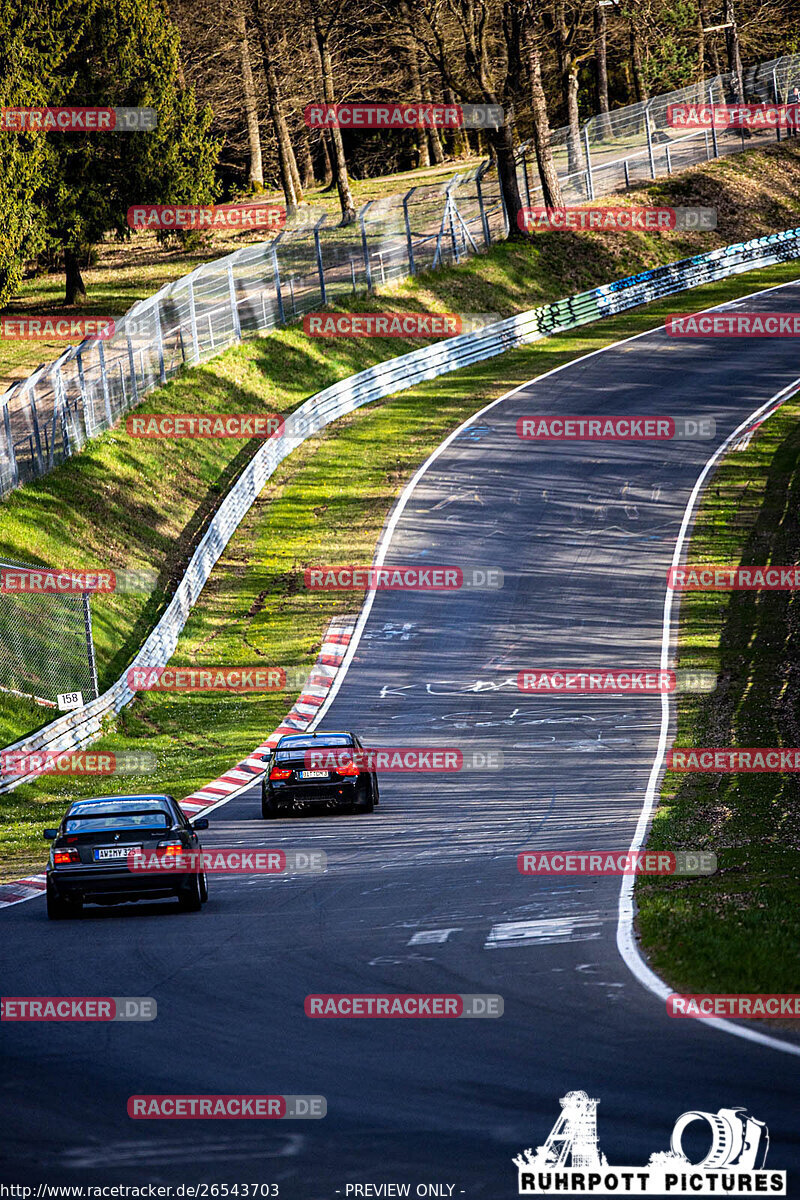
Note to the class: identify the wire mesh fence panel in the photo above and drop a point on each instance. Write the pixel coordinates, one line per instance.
(44, 640)
(50, 415)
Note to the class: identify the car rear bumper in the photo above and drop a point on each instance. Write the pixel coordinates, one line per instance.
(339, 792)
(107, 882)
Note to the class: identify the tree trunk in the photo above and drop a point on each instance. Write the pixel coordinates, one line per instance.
(324, 139)
(702, 12)
(285, 152)
(601, 70)
(336, 145)
(306, 163)
(568, 73)
(636, 61)
(459, 141)
(415, 80)
(732, 48)
(75, 292)
(502, 143)
(433, 135)
(551, 188)
(256, 179)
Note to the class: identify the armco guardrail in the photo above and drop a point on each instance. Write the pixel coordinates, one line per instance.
(49, 416)
(78, 729)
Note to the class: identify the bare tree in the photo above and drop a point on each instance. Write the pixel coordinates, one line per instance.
(256, 172)
(323, 22)
(290, 178)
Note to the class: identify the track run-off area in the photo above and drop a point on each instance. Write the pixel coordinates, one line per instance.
(425, 895)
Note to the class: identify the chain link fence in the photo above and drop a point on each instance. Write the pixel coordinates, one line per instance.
(51, 414)
(46, 645)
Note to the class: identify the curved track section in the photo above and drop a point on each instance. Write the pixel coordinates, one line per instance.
(584, 533)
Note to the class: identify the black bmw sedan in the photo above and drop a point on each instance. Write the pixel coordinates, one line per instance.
(318, 770)
(93, 853)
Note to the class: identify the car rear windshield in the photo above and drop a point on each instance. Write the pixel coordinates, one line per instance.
(94, 818)
(296, 747)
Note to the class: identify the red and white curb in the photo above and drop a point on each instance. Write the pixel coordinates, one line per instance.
(245, 773)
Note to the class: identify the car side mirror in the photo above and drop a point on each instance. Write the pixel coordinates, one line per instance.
(199, 823)
(266, 755)
(50, 835)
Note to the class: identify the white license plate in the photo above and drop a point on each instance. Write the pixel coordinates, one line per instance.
(314, 774)
(114, 853)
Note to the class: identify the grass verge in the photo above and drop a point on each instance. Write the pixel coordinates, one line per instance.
(737, 930)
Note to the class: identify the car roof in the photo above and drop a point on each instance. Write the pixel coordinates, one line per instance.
(322, 733)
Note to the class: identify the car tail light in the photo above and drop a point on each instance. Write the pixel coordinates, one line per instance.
(280, 773)
(68, 854)
(170, 847)
(349, 768)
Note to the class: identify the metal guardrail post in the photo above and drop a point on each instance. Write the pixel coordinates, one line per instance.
(193, 321)
(101, 353)
(627, 174)
(162, 374)
(276, 276)
(364, 246)
(713, 122)
(487, 237)
(649, 140)
(87, 625)
(12, 458)
(132, 367)
(589, 175)
(36, 436)
(320, 267)
(237, 328)
(669, 159)
(409, 239)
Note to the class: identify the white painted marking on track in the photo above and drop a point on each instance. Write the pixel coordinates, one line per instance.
(583, 927)
(430, 936)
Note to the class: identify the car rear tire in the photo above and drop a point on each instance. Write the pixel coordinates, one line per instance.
(190, 896)
(59, 909)
(268, 811)
(203, 887)
(364, 801)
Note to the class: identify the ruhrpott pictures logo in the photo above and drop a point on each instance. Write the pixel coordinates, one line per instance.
(570, 1162)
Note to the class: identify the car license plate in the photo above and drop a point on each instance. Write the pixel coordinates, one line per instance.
(313, 774)
(114, 853)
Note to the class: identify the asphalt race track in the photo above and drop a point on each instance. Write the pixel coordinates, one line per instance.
(584, 533)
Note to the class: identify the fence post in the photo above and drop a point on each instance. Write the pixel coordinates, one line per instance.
(84, 394)
(649, 140)
(276, 275)
(487, 237)
(87, 625)
(237, 328)
(104, 376)
(449, 210)
(589, 176)
(162, 374)
(777, 96)
(627, 174)
(364, 247)
(12, 458)
(132, 366)
(193, 321)
(525, 175)
(318, 249)
(713, 122)
(36, 436)
(409, 242)
(669, 160)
